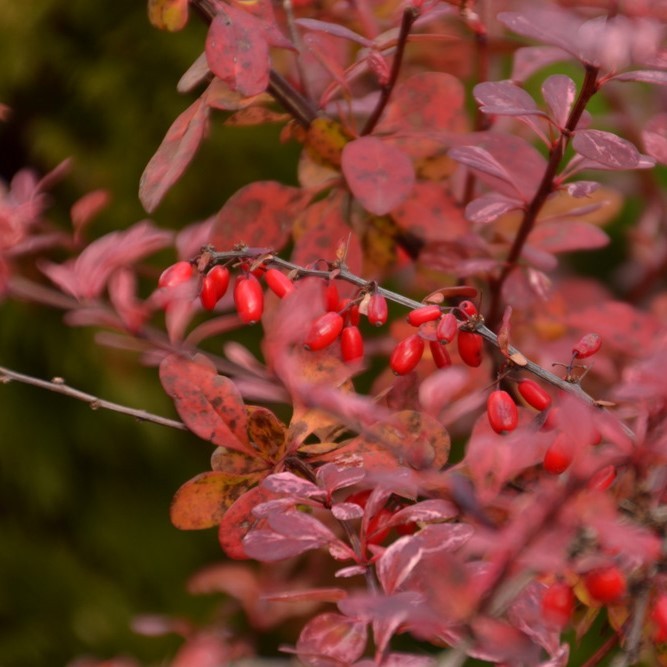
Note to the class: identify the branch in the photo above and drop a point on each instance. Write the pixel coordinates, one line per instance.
(546, 187)
(58, 386)
(410, 15)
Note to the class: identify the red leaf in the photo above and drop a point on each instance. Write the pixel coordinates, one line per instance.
(490, 207)
(209, 404)
(331, 638)
(237, 50)
(202, 501)
(505, 98)
(562, 236)
(259, 214)
(173, 155)
(654, 136)
(606, 148)
(379, 175)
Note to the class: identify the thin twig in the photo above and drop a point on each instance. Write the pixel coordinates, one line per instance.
(410, 15)
(602, 652)
(58, 386)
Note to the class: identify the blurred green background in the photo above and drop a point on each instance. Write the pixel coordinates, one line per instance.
(85, 538)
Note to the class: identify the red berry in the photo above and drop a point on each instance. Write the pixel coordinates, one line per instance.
(440, 355)
(324, 331)
(469, 308)
(602, 479)
(606, 584)
(470, 348)
(501, 411)
(331, 297)
(175, 274)
(559, 455)
(424, 314)
(447, 327)
(350, 310)
(248, 298)
(587, 346)
(557, 604)
(377, 310)
(534, 395)
(351, 343)
(659, 619)
(214, 286)
(406, 354)
(278, 282)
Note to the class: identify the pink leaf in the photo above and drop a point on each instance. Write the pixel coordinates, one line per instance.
(237, 50)
(561, 236)
(195, 75)
(644, 75)
(335, 29)
(606, 148)
(347, 511)
(559, 92)
(331, 639)
(581, 188)
(287, 483)
(173, 155)
(397, 562)
(379, 175)
(530, 59)
(332, 478)
(490, 207)
(480, 159)
(88, 207)
(310, 594)
(267, 546)
(654, 136)
(504, 98)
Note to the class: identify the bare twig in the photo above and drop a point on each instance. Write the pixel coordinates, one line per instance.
(58, 386)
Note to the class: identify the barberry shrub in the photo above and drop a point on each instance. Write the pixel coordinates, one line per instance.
(487, 492)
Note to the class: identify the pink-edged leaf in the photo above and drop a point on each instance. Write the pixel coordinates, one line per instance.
(379, 175)
(335, 29)
(654, 136)
(332, 478)
(238, 520)
(202, 501)
(260, 215)
(287, 483)
(237, 50)
(480, 159)
(347, 511)
(308, 595)
(561, 236)
(292, 523)
(331, 639)
(173, 155)
(267, 546)
(444, 537)
(490, 207)
(505, 98)
(644, 75)
(606, 148)
(397, 562)
(209, 404)
(559, 92)
(86, 276)
(530, 59)
(581, 188)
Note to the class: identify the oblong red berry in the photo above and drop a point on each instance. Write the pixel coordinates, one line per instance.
(606, 584)
(557, 604)
(534, 395)
(440, 355)
(559, 455)
(469, 308)
(447, 327)
(501, 411)
(324, 331)
(587, 346)
(470, 347)
(351, 343)
(602, 479)
(407, 354)
(424, 314)
(214, 286)
(331, 296)
(177, 273)
(350, 310)
(248, 298)
(658, 617)
(278, 282)
(377, 310)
